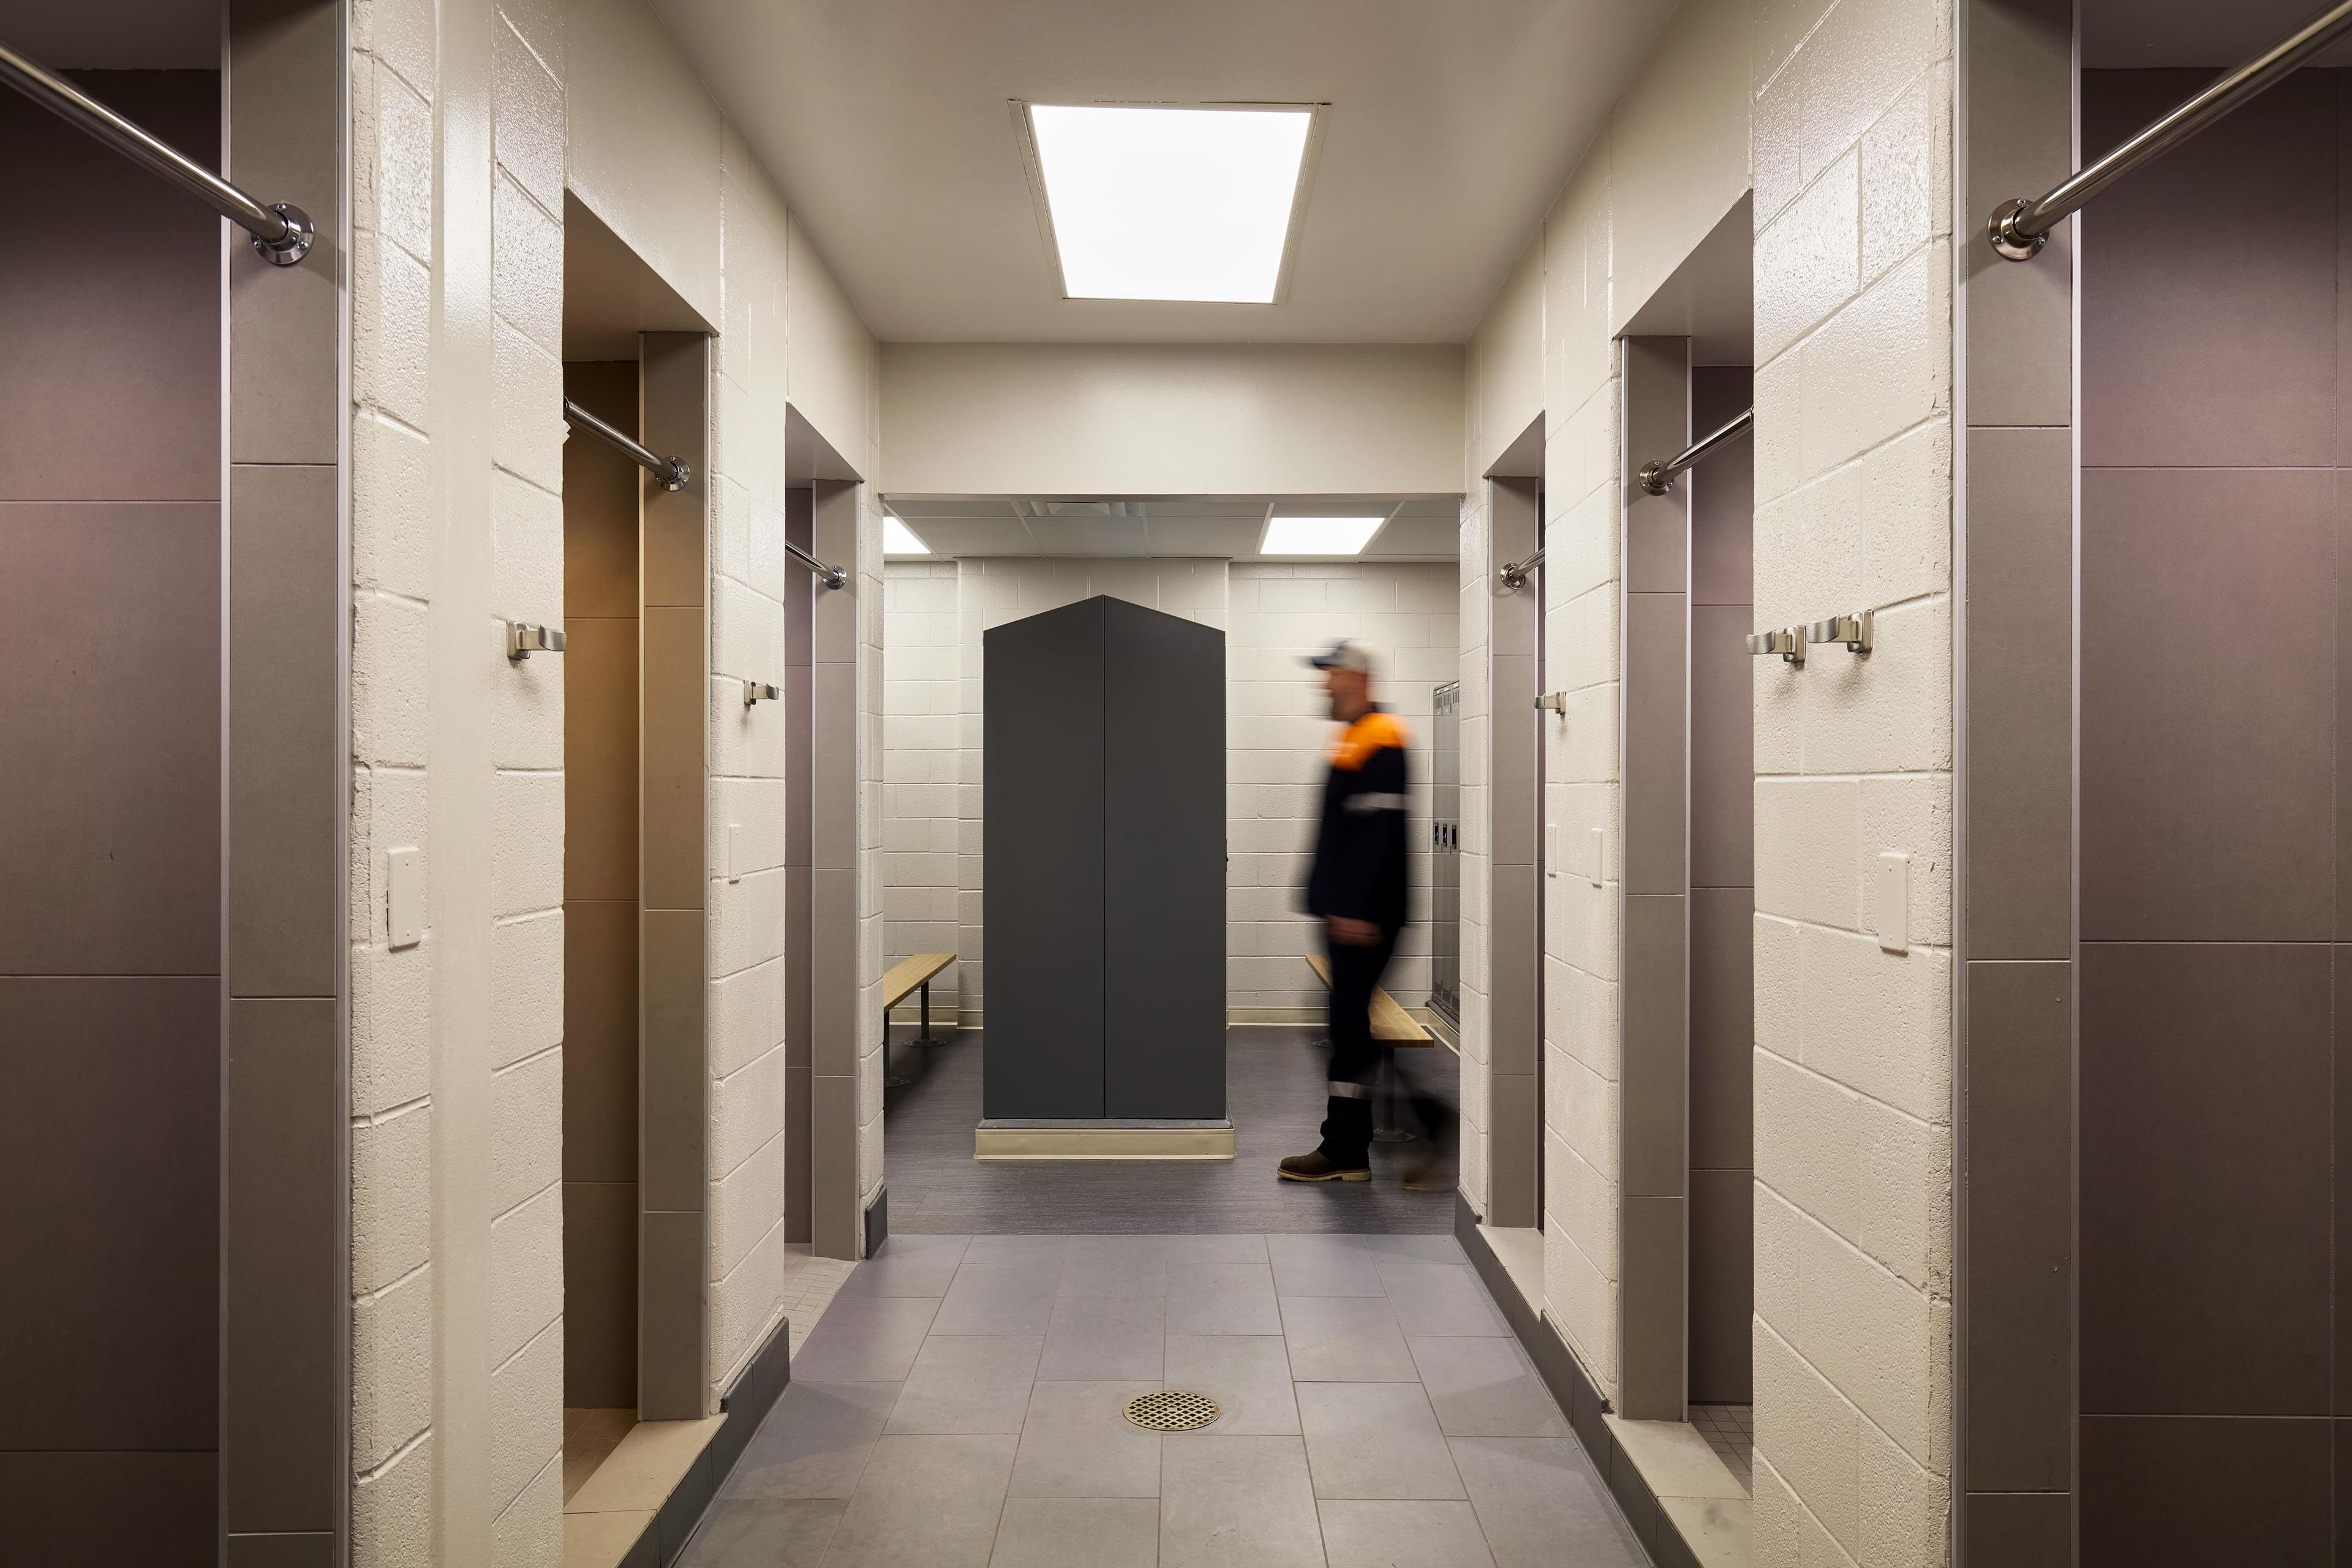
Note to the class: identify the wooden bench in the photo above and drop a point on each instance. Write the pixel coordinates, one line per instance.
(1392, 1025)
(910, 974)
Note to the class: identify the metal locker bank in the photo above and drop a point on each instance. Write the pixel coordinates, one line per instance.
(1104, 774)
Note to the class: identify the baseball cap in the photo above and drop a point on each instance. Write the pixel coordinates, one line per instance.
(1345, 653)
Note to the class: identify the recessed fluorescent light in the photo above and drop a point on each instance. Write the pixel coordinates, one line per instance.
(1318, 535)
(1171, 203)
(898, 539)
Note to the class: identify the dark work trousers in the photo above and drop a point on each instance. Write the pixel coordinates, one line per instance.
(1347, 1114)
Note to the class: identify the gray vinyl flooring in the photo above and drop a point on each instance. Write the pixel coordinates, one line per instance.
(1275, 1094)
(959, 1406)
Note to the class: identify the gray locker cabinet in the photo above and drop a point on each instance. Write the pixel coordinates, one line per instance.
(1103, 778)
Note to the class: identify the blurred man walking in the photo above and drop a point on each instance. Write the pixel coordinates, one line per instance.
(1357, 888)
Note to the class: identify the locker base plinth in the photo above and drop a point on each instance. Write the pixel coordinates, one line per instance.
(1103, 1139)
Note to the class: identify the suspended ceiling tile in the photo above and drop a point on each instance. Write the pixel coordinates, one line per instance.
(974, 536)
(1088, 535)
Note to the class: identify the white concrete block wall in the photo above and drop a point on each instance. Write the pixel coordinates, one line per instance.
(527, 943)
(394, 1343)
(1278, 732)
(745, 805)
(922, 763)
(1853, 1067)
(1584, 588)
(872, 683)
(402, 1181)
(1850, 112)
(1475, 631)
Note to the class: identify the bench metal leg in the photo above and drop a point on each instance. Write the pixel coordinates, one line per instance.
(889, 1079)
(925, 1039)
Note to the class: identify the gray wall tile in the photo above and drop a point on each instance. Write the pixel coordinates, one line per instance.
(281, 1183)
(600, 729)
(675, 776)
(2021, 133)
(2169, 1492)
(600, 1295)
(114, 359)
(1722, 1286)
(1656, 1293)
(112, 1124)
(2206, 1170)
(287, 752)
(1656, 1085)
(2020, 1251)
(2209, 632)
(2019, 604)
(2256, 318)
(285, 114)
(676, 389)
(1657, 426)
(600, 1042)
(1722, 1030)
(104, 1509)
(111, 603)
(2020, 1530)
(1722, 490)
(308, 1549)
(673, 1072)
(1657, 742)
(601, 490)
(1722, 747)
(673, 1250)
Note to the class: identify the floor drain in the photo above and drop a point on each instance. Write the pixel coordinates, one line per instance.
(1172, 1410)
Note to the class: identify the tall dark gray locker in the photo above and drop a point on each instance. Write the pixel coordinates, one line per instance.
(1104, 786)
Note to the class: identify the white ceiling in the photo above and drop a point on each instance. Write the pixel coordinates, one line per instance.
(888, 124)
(1225, 528)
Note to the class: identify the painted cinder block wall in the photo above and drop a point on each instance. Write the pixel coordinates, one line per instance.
(467, 129)
(1839, 114)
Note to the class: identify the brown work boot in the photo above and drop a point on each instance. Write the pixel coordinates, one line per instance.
(1315, 1168)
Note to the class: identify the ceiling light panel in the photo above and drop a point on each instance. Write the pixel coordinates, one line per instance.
(1318, 535)
(1171, 203)
(898, 539)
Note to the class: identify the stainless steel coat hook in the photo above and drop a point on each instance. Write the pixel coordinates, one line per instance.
(761, 691)
(1854, 631)
(1789, 642)
(523, 639)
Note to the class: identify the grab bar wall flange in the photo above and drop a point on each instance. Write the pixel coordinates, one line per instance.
(280, 230)
(1658, 478)
(673, 473)
(2018, 229)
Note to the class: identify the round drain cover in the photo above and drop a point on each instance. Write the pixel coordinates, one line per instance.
(1172, 1410)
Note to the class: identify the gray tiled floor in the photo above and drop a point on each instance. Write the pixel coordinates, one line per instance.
(958, 1403)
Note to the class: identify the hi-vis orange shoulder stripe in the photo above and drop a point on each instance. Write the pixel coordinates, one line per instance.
(1368, 734)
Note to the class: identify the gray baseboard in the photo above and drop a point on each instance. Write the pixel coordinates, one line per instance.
(1575, 1393)
(745, 1404)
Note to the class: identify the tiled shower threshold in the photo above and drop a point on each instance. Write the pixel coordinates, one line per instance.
(1687, 1505)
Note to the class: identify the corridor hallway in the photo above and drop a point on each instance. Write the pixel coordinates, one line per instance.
(958, 1406)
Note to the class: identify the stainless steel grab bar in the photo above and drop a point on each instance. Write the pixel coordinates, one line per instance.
(281, 231)
(673, 472)
(1514, 574)
(2019, 229)
(831, 576)
(1658, 478)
